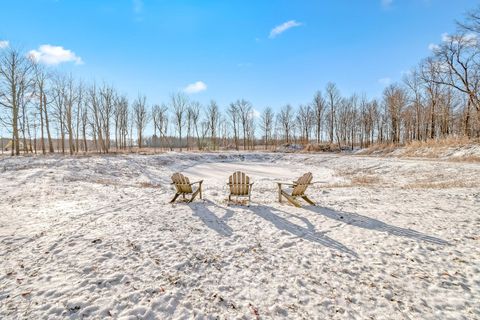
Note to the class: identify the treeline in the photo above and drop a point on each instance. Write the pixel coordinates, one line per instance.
(47, 112)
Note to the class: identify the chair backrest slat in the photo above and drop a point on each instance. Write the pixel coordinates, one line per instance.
(301, 184)
(182, 183)
(239, 183)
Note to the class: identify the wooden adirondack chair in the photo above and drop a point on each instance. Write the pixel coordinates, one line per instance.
(240, 186)
(184, 186)
(298, 190)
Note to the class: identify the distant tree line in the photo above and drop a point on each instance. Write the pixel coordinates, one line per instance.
(47, 112)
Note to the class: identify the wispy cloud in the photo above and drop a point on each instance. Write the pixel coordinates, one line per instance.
(54, 55)
(245, 65)
(469, 39)
(137, 6)
(386, 3)
(4, 44)
(283, 27)
(433, 47)
(385, 81)
(196, 87)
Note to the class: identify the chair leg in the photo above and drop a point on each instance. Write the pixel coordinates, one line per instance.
(200, 188)
(279, 192)
(194, 195)
(175, 197)
(291, 199)
(308, 200)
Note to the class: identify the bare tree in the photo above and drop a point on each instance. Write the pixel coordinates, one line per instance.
(305, 119)
(333, 99)
(179, 103)
(59, 92)
(40, 85)
(429, 75)
(160, 120)
(458, 65)
(96, 122)
(244, 110)
(285, 119)
(121, 122)
(194, 111)
(141, 117)
(15, 80)
(213, 115)
(233, 113)
(267, 125)
(413, 83)
(395, 99)
(318, 106)
(107, 107)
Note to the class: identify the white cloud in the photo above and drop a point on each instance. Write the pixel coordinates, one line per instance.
(196, 87)
(245, 65)
(54, 55)
(283, 27)
(387, 3)
(4, 44)
(469, 39)
(445, 37)
(137, 6)
(255, 113)
(433, 47)
(385, 81)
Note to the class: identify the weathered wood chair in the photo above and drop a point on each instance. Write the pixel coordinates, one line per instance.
(184, 186)
(240, 186)
(298, 190)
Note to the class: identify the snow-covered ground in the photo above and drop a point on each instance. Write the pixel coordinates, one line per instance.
(95, 237)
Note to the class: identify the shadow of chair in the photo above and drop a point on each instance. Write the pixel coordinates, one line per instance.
(307, 233)
(210, 219)
(365, 222)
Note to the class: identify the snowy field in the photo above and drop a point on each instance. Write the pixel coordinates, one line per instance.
(95, 237)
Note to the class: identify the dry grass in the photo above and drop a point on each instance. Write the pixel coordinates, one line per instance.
(380, 148)
(442, 184)
(363, 180)
(445, 142)
(433, 149)
(357, 178)
(149, 185)
(321, 148)
(470, 158)
(106, 182)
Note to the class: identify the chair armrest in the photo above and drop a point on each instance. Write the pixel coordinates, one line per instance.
(229, 184)
(287, 183)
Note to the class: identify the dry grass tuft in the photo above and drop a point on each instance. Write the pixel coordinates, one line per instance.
(442, 184)
(444, 142)
(149, 185)
(321, 148)
(358, 178)
(380, 148)
(470, 158)
(106, 182)
(434, 148)
(363, 180)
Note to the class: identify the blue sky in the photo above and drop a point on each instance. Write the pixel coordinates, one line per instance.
(226, 49)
